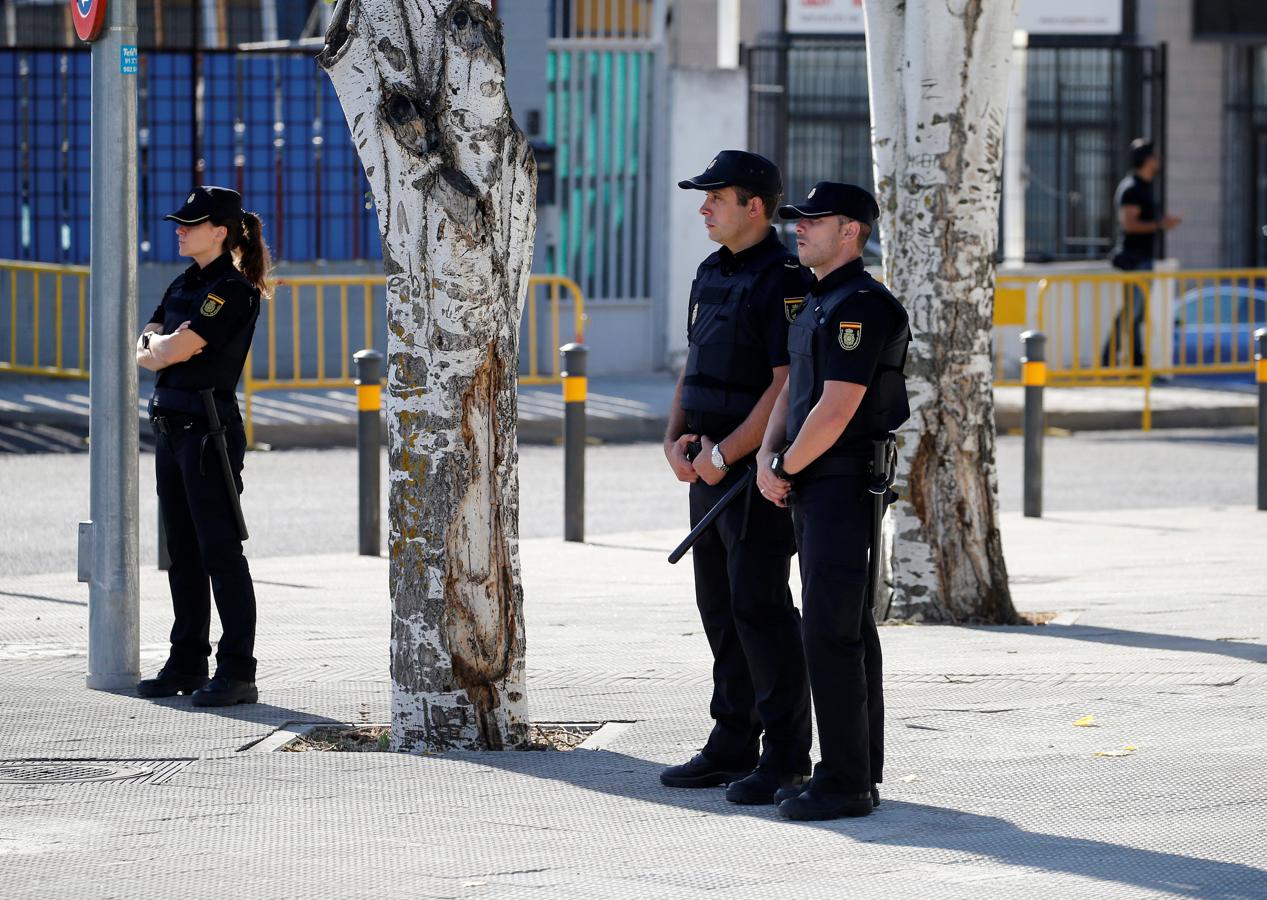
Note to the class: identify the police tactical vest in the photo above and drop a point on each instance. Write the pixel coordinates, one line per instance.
(727, 367)
(884, 406)
(219, 369)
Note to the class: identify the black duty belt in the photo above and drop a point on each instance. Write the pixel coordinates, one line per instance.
(834, 465)
(170, 424)
(190, 403)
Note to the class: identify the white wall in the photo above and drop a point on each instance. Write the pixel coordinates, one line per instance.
(1195, 132)
(708, 113)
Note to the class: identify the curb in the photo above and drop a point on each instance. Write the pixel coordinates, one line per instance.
(604, 429)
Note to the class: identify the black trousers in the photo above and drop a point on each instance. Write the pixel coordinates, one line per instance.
(832, 518)
(206, 553)
(753, 628)
(1128, 324)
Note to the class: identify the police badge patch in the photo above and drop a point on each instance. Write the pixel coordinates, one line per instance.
(211, 305)
(792, 306)
(850, 335)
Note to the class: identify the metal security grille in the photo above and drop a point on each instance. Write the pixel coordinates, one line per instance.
(599, 117)
(809, 111)
(601, 74)
(1085, 105)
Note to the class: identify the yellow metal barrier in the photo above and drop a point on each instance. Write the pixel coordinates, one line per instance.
(30, 347)
(302, 313)
(1122, 329)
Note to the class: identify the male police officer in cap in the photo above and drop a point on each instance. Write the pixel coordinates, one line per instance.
(743, 297)
(845, 390)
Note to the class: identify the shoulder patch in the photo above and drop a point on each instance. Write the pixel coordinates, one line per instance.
(850, 335)
(792, 306)
(211, 305)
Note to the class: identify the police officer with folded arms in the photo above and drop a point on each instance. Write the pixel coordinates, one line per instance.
(845, 391)
(741, 301)
(196, 342)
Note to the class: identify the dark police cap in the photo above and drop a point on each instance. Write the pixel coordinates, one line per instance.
(209, 202)
(740, 169)
(831, 198)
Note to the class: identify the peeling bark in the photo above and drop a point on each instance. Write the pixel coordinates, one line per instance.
(938, 77)
(454, 182)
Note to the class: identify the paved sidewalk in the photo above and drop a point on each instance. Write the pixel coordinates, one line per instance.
(634, 408)
(991, 791)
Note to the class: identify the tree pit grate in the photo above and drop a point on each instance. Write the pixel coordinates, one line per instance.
(66, 771)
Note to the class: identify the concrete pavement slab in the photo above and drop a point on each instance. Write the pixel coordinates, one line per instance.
(990, 790)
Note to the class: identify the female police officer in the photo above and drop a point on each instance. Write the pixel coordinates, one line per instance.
(845, 390)
(196, 340)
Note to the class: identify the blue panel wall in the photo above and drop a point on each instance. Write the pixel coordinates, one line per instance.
(268, 125)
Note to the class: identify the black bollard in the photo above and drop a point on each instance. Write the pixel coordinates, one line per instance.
(1260, 369)
(1034, 378)
(369, 405)
(575, 386)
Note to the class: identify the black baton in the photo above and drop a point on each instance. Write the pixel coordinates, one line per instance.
(727, 498)
(222, 451)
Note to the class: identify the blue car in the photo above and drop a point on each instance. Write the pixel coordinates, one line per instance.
(1215, 326)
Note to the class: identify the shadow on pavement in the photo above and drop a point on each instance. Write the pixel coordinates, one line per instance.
(43, 598)
(1141, 639)
(257, 713)
(905, 824)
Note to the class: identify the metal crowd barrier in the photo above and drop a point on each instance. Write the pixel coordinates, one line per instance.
(1124, 329)
(312, 319)
(38, 334)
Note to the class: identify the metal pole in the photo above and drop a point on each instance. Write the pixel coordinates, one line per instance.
(1034, 377)
(575, 386)
(1260, 369)
(109, 545)
(369, 405)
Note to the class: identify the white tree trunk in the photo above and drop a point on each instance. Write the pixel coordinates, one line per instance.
(422, 86)
(938, 72)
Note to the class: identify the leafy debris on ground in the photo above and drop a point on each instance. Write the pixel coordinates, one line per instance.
(377, 738)
(1036, 618)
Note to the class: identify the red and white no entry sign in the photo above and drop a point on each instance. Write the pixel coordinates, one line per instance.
(89, 16)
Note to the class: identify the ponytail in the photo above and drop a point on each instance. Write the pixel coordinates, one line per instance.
(253, 257)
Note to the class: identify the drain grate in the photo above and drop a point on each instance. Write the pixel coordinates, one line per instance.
(66, 771)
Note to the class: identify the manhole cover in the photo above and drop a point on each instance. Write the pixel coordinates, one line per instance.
(65, 773)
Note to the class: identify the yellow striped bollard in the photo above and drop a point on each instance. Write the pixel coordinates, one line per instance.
(1034, 378)
(575, 386)
(369, 405)
(1260, 370)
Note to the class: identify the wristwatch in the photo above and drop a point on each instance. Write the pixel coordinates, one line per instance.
(719, 462)
(776, 466)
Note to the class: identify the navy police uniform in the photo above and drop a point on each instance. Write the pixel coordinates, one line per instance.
(740, 308)
(221, 307)
(852, 330)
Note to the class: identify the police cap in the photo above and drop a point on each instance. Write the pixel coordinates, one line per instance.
(209, 202)
(832, 198)
(740, 169)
